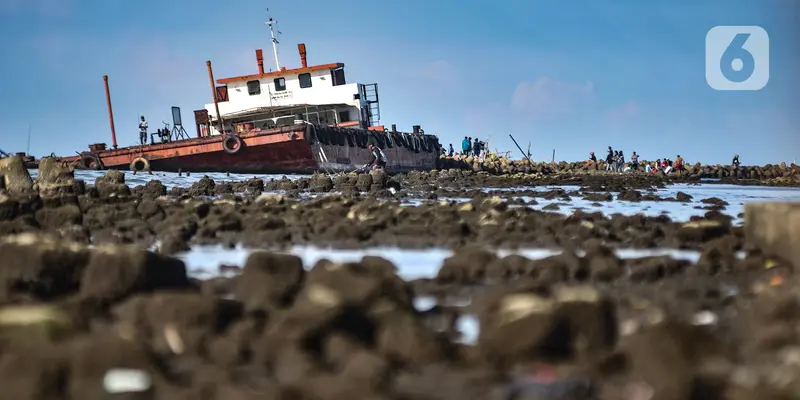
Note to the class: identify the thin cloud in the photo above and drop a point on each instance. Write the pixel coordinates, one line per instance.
(622, 114)
(439, 71)
(545, 97)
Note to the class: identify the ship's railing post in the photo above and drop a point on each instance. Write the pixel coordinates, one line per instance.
(216, 101)
(110, 112)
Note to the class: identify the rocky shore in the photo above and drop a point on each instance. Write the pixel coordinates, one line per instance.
(86, 311)
(782, 174)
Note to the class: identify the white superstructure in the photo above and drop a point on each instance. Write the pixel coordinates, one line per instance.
(318, 94)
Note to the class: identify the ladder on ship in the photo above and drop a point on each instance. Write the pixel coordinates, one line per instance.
(370, 92)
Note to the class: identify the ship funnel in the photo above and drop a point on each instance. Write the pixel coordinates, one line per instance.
(260, 61)
(302, 49)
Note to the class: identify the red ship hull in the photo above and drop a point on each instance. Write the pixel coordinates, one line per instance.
(285, 150)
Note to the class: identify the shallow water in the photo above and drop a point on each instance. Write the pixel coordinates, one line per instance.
(172, 179)
(735, 195)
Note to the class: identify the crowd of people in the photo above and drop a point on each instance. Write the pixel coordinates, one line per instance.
(469, 147)
(615, 161)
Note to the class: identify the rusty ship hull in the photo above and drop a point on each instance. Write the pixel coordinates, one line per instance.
(296, 149)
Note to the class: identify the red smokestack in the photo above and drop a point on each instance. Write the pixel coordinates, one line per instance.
(302, 49)
(260, 61)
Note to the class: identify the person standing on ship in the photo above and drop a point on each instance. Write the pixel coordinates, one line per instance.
(143, 131)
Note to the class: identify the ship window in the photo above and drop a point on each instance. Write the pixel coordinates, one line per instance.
(280, 84)
(222, 93)
(305, 80)
(337, 76)
(254, 87)
(344, 116)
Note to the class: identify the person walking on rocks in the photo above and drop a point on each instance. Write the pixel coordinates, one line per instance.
(735, 161)
(378, 158)
(678, 164)
(634, 161)
(143, 131)
(610, 159)
(452, 151)
(620, 161)
(476, 147)
(465, 146)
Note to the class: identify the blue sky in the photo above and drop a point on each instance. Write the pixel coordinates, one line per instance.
(573, 76)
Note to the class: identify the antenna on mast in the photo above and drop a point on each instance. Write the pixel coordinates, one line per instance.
(272, 31)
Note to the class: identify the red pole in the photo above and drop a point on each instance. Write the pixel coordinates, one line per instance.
(214, 93)
(110, 112)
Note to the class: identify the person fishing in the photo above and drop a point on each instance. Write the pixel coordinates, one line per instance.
(378, 159)
(143, 131)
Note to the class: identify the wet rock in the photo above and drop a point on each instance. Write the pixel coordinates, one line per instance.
(655, 268)
(521, 327)
(683, 197)
(598, 197)
(321, 183)
(715, 201)
(15, 176)
(603, 263)
(50, 172)
(466, 266)
(40, 267)
(670, 368)
(112, 184)
(379, 179)
(105, 366)
(54, 218)
(270, 280)
(223, 188)
(203, 187)
(178, 323)
(701, 231)
(364, 182)
(115, 272)
(630, 195)
(775, 229)
(33, 325)
(154, 189)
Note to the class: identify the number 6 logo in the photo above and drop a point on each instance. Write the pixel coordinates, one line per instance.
(737, 58)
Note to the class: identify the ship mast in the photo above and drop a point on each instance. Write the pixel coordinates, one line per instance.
(272, 31)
